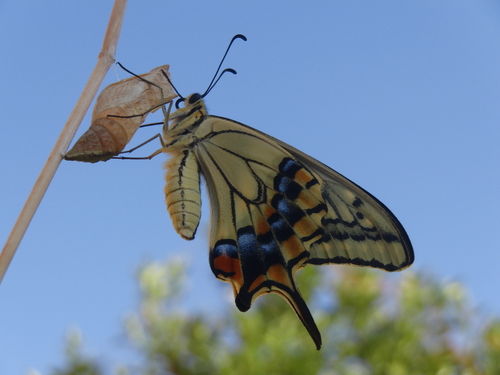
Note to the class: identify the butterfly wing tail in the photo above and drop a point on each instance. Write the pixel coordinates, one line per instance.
(278, 280)
(295, 300)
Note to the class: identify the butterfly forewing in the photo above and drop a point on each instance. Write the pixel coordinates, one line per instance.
(275, 209)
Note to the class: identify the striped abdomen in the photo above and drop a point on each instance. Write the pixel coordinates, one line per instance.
(182, 192)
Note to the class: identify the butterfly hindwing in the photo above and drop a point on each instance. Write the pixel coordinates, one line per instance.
(360, 229)
(254, 245)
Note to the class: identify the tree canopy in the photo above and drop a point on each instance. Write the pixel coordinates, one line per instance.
(371, 322)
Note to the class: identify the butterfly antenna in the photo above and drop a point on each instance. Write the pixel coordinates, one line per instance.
(181, 98)
(171, 84)
(215, 79)
(228, 70)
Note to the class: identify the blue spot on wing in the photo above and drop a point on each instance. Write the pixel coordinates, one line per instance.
(270, 249)
(247, 242)
(225, 247)
(289, 167)
(281, 229)
(250, 256)
(288, 187)
(289, 210)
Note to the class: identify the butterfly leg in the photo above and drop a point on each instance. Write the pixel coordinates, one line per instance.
(157, 152)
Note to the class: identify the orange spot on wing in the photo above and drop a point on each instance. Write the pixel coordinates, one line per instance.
(232, 266)
(262, 226)
(305, 227)
(306, 200)
(303, 177)
(256, 284)
(268, 210)
(279, 274)
(292, 248)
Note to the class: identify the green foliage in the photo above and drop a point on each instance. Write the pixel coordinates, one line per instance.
(77, 364)
(371, 322)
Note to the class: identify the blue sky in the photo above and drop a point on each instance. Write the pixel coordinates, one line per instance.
(401, 97)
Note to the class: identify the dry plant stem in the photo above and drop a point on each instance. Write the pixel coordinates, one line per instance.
(105, 60)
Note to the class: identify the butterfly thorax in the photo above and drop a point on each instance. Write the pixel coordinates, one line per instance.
(185, 121)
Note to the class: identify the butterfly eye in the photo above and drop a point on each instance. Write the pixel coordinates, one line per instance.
(191, 99)
(194, 98)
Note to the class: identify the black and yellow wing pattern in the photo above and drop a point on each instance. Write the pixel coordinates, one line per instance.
(274, 209)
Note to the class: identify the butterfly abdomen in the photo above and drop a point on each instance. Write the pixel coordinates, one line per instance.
(182, 192)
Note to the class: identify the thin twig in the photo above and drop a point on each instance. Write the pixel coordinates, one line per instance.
(104, 62)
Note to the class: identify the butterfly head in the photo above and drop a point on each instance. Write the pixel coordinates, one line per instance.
(185, 119)
(194, 107)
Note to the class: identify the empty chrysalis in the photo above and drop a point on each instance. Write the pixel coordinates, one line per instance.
(114, 118)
